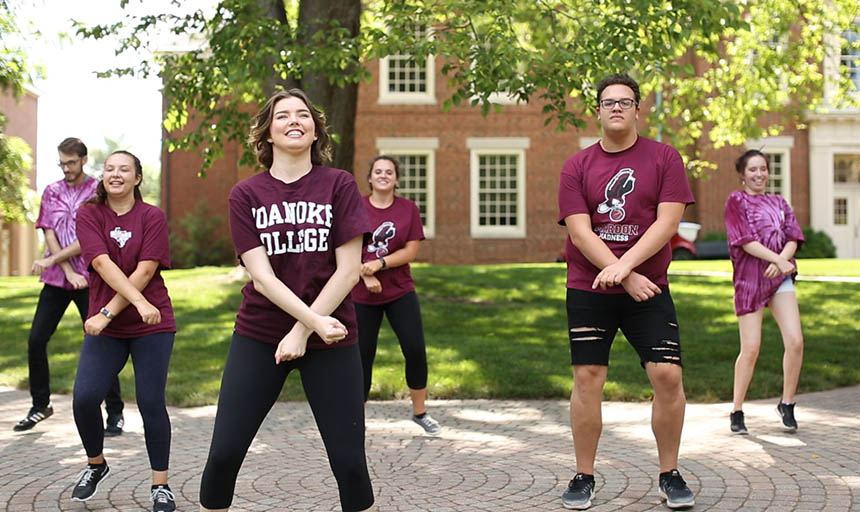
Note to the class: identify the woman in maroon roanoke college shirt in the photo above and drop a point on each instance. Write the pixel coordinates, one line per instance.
(124, 242)
(298, 228)
(763, 237)
(386, 285)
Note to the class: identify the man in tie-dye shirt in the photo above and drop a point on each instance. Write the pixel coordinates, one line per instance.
(65, 278)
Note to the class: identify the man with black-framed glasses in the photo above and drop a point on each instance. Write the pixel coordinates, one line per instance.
(621, 201)
(64, 275)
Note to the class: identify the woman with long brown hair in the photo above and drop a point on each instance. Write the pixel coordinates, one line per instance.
(297, 227)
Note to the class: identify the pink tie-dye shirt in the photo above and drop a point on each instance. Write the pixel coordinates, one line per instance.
(769, 220)
(60, 203)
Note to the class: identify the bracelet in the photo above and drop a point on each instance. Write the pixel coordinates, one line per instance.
(106, 313)
(383, 262)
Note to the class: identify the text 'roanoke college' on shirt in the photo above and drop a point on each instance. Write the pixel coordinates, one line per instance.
(309, 239)
(300, 225)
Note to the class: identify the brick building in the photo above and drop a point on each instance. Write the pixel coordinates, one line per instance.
(487, 186)
(18, 242)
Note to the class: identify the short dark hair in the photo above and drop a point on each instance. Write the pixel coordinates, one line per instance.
(741, 162)
(618, 79)
(73, 146)
(258, 138)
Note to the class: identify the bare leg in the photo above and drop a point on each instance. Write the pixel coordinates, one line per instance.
(98, 459)
(159, 478)
(667, 411)
(749, 327)
(783, 306)
(418, 397)
(586, 420)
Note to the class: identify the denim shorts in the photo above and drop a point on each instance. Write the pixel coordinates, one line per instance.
(594, 318)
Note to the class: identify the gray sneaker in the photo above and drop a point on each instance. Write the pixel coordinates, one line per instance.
(579, 492)
(429, 425)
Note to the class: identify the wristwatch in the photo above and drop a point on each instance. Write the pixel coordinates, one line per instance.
(106, 313)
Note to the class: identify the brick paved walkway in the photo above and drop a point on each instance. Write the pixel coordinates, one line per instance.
(492, 455)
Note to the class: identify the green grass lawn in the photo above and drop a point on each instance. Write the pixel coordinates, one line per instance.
(493, 331)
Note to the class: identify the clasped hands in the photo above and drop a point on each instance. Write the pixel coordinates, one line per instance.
(781, 267)
(639, 287)
(294, 344)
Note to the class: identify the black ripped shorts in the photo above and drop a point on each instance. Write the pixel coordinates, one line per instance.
(651, 326)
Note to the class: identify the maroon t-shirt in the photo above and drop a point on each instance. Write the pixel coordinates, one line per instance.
(391, 228)
(300, 225)
(138, 235)
(620, 191)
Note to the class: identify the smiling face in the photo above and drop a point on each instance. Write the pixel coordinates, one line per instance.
(120, 176)
(292, 127)
(616, 120)
(383, 176)
(755, 175)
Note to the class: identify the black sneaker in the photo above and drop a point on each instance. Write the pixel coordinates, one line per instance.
(163, 499)
(738, 426)
(674, 490)
(114, 425)
(579, 492)
(88, 481)
(786, 413)
(35, 415)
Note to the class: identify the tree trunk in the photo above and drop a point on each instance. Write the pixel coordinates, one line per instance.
(338, 103)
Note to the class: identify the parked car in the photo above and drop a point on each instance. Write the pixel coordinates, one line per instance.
(683, 242)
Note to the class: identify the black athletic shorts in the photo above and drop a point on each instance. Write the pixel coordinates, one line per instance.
(651, 326)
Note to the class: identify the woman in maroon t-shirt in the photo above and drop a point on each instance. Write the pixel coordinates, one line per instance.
(124, 242)
(386, 285)
(297, 227)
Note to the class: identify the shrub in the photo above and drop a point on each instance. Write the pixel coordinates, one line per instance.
(198, 241)
(818, 245)
(713, 236)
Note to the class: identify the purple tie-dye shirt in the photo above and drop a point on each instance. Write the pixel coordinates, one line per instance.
(60, 203)
(769, 220)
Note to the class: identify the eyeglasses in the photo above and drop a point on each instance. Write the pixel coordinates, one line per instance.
(626, 103)
(68, 163)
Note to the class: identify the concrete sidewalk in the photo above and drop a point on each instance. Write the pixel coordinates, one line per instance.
(495, 455)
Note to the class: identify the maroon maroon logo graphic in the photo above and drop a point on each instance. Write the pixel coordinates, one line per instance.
(616, 190)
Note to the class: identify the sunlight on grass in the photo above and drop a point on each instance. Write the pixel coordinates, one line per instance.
(491, 331)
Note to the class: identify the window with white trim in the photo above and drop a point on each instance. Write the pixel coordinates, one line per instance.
(840, 211)
(776, 173)
(849, 60)
(417, 157)
(404, 80)
(498, 187)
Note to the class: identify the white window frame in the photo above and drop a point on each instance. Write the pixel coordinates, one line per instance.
(781, 145)
(855, 58)
(428, 97)
(479, 146)
(425, 146)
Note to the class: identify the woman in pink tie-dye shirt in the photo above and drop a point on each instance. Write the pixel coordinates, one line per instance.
(763, 236)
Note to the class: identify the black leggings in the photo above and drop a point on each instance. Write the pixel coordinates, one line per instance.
(53, 302)
(404, 315)
(102, 358)
(250, 386)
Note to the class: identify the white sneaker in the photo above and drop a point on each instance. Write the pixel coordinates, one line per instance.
(430, 426)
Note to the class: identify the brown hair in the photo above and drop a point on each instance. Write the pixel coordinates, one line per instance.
(384, 157)
(73, 146)
(741, 162)
(101, 193)
(258, 138)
